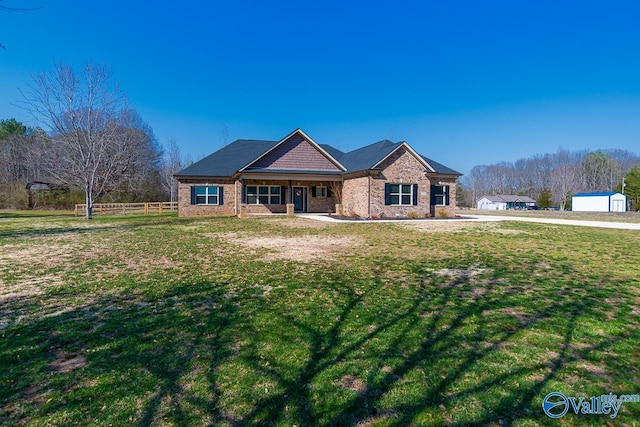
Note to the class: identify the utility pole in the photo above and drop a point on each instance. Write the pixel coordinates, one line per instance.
(624, 184)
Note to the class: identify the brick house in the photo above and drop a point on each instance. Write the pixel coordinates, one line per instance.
(296, 174)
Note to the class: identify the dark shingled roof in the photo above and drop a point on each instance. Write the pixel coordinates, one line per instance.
(238, 154)
(439, 167)
(333, 152)
(229, 159)
(367, 157)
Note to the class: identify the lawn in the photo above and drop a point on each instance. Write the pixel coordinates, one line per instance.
(158, 320)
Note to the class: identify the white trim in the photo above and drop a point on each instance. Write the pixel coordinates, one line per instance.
(308, 139)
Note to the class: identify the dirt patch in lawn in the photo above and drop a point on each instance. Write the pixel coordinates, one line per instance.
(296, 248)
(459, 273)
(434, 226)
(299, 222)
(65, 363)
(353, 383)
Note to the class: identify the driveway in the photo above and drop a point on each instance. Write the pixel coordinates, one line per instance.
(489, 218)
(580, 223)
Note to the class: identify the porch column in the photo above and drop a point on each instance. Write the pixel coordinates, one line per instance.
(290, 205)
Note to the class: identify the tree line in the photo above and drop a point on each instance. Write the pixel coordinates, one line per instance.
(554, 178)
(89, 145)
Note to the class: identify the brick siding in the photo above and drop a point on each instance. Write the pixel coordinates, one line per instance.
(185, 208)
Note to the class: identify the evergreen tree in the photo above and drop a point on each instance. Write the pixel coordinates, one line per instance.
(632, 187)
(544, 201)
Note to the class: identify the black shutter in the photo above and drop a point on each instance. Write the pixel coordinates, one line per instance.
(193, 195)
(433, 195)
(387, 193)
(329, 192)
(283, 191)
(415, 194)
(446, 195)
(244, 193)
(220, 195)
(313, 191)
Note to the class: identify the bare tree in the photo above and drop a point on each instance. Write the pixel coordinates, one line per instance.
(477, 181)
(563, 177)
(86, 116)
(172, 163)
(140, 168)
(599, 171)
(563, 173)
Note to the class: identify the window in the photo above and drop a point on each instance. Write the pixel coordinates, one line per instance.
(264, 195)
(440, 195)
(206, 195)
(401, 194)
(320, 192)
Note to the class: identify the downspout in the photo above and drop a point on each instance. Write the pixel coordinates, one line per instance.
(341, 193)
(235, 197)
(369, 192)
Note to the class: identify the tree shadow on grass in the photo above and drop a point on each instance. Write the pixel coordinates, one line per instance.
(370, 349)
(124, 358)
(461, 331)
(82, 226)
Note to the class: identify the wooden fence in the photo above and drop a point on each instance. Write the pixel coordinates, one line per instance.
(128, 208)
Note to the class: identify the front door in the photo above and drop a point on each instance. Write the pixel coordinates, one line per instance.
(618, 206)
(300, 199)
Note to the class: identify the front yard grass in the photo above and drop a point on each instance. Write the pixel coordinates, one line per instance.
(158, 320)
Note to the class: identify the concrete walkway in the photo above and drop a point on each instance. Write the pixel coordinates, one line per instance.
(489, 218)
(580, 223)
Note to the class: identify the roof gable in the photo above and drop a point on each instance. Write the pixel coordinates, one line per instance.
(408, 149)
(296, 152)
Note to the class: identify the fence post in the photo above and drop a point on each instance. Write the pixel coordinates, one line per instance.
(146, 208)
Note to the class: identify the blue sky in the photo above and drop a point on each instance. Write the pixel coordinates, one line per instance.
(464, 82)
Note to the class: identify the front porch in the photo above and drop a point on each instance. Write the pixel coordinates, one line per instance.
(265, 197)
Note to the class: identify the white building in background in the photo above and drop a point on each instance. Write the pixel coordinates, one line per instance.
(606, 201)
(505, 201)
